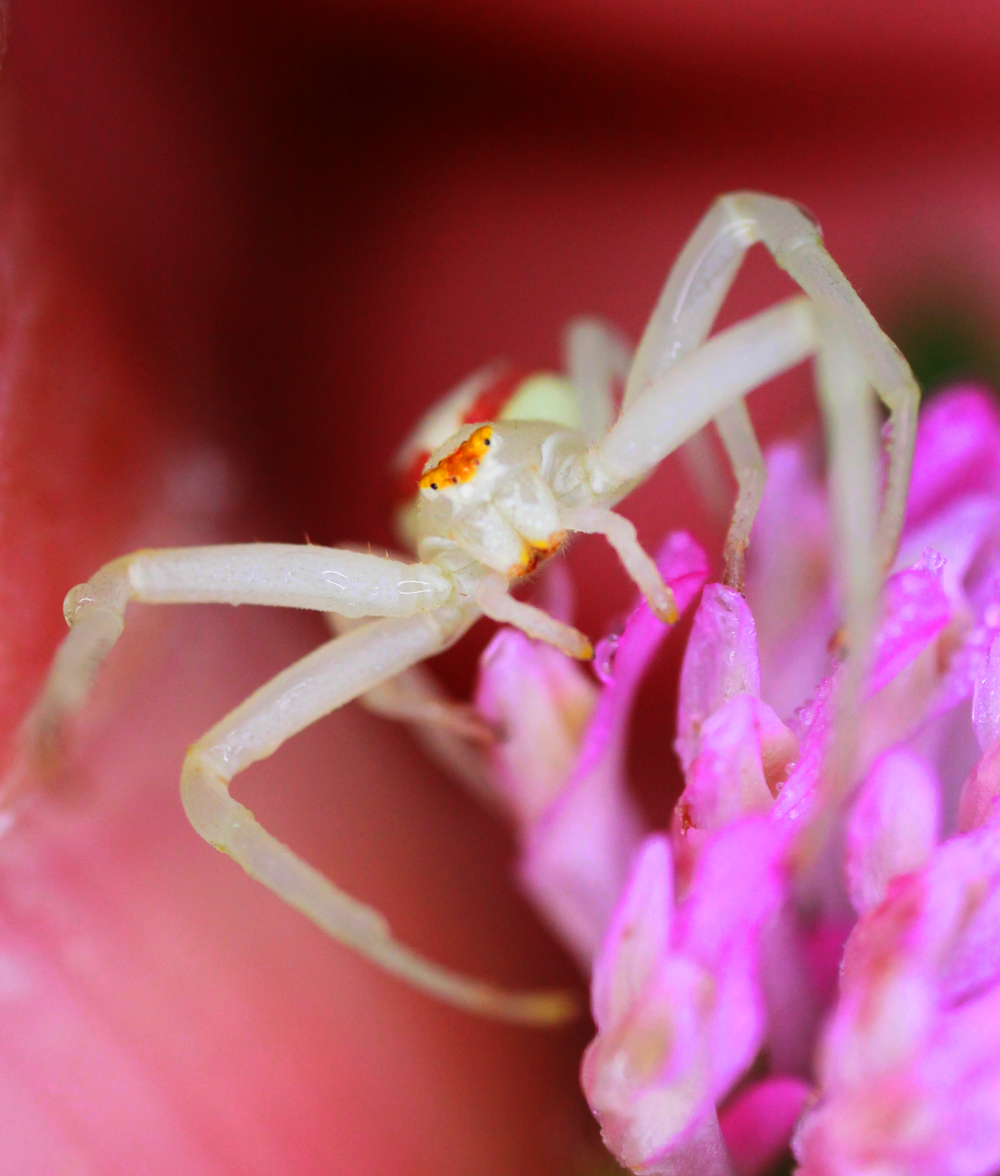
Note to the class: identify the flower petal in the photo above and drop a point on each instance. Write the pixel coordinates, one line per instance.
(789, 586)
(744, 753)
(957, 451)
(540, 701)
(648, 1078)
(720, 662)
(737, 885)
(577, 854)
(986, 698)
(637, 940)
(758, 1122)
(915, 608)
(892, 828)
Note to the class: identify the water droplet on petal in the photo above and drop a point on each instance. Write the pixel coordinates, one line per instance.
(604, 658)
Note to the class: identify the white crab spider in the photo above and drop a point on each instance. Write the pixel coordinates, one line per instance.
(498, 495)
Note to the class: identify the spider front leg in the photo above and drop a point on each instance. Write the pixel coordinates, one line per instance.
(697, 389)
(421, 620)
(453, 733)
(708, 384)
(697, 287)
(287, 575)
(322, 681)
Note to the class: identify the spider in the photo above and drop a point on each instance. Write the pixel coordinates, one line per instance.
(499, 475)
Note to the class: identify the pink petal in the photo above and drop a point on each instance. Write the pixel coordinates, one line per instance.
(540, 701)
(892, 828)
(636, 942)
(678, 1027)
(813, 721)
(757, 1123)
(939, 1113)
(915, 608)
(962, 922)
(986, 698)
(957, 451)
(700, 1148)
(738, 881)
(744, 754)
(738, 884)
(720, 662)
(577, 854)
(799, 969)
(575, 859)
(960, 533)
(684, 566)
(647, 1073)
(726, 779)
(979, 800)
(647, 1077)
(789, 586)
(911, 1061)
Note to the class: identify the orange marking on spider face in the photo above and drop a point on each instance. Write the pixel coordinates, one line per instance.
(461, 465)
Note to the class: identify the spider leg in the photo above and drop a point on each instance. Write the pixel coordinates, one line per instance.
(319, 683)
(853, 478)
(708, 383)
(597, 360)
(697, 287)
(743, 449)
(452, 733)
(695, 390)
(413, 697)
(494, 600)
(641, 567)
(293, 576)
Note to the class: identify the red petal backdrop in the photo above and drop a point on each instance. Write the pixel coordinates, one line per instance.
(243, 246)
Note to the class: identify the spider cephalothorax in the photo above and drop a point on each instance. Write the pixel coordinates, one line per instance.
(494, 479)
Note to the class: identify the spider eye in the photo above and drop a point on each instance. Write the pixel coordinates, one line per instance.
(434, 485)
(487, 442)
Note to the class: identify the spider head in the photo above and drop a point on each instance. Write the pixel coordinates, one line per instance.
(463, 472)
(485, 491)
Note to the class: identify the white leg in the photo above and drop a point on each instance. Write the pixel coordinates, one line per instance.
(452, 733)
(696, 390)
(701, 278)
(322, 578)
(597, 358)
(853, 477)
(740, 441)
(314, 686)
(707, 473)
(641, 567)
(494, 599)
(411, 698)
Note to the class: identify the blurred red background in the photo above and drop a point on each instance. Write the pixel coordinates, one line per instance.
(243, 248)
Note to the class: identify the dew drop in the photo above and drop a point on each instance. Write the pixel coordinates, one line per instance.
(604, 658)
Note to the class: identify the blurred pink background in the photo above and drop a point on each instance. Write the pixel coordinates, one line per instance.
(243, 247)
